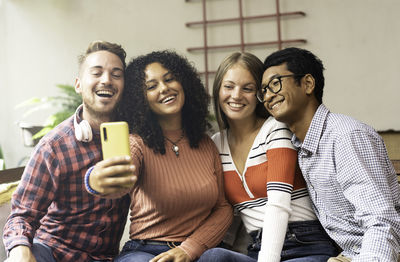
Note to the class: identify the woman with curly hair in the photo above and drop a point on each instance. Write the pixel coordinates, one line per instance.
(178, 205)
(190, 115)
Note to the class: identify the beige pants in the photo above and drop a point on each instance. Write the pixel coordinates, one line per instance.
(339, 258)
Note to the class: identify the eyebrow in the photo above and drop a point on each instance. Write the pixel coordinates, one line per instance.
(232, 82)
(273, 76)
(164, 75)
(100, 67)
(264, 83)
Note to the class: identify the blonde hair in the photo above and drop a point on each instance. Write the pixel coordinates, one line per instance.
(256, 69)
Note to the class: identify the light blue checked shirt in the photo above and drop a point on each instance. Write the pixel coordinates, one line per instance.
(353, 186)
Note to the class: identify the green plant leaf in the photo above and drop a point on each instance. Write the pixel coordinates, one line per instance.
(211, 117)
(67, 89)
(67, 103)
(2, 163)
(58, 117)
(42, 132)
(29, 102)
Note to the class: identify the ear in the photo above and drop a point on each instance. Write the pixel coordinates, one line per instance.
(309, 83)
(78, 85)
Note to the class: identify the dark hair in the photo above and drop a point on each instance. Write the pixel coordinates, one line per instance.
(300, 61)
(256, 69)
(103, 46)
(135, 109)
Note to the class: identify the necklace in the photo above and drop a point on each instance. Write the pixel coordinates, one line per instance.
(175, 147)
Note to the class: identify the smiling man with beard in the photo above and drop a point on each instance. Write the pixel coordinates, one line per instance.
(53, 217)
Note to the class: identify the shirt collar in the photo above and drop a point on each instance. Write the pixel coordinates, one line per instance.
(314, 133)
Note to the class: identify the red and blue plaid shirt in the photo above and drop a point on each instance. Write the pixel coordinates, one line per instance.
(52, 205)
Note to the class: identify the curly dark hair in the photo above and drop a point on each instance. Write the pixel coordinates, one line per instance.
(135, 109)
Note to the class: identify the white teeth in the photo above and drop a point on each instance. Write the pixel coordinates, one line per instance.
(236, 105)
(275, 105)
(167, 99)
(104, 93)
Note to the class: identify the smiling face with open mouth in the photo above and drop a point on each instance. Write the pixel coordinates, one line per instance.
(101, 82)
(237, 95)
(164, 92)
(289, 104)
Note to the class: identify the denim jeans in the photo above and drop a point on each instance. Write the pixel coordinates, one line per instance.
(304, 242)
(43, 252)
(218, 254)
(141, 251)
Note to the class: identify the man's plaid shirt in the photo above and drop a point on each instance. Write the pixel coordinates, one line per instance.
(52, 205)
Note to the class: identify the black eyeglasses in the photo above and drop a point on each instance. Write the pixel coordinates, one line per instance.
(274, 85)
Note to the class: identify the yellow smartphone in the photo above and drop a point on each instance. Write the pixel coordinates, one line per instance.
(114, 139)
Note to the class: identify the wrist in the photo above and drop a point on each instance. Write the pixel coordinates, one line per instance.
(20, 250)
(87, 184)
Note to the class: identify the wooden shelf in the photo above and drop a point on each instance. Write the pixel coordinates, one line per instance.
(245, 18)
(294, 41)
(205, 24)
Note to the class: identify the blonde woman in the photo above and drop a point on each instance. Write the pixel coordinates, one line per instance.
(261, 178)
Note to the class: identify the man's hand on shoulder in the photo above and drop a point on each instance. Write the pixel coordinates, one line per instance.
(113, 175)
(21, 254)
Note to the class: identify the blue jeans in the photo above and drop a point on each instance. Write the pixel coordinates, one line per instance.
(43, 252)
(219, 254)
(143, 251)
(305, 241)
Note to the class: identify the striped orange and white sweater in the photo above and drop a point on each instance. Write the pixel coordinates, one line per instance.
(270, 172)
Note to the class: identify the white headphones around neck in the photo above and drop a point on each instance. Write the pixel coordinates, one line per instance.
(83, 130)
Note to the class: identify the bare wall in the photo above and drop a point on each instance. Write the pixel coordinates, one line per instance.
(40, 40)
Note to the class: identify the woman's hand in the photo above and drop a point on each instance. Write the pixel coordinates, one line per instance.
(176, 255)
(111, 175)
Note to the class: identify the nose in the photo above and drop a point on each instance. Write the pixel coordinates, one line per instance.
(163, 87)
(235, 92)
(106, 78)
(268, 96)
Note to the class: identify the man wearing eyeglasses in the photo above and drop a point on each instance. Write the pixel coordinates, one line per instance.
(351, 181)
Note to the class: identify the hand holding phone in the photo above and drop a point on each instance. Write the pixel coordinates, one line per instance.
(114, 139)
(116, 170)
